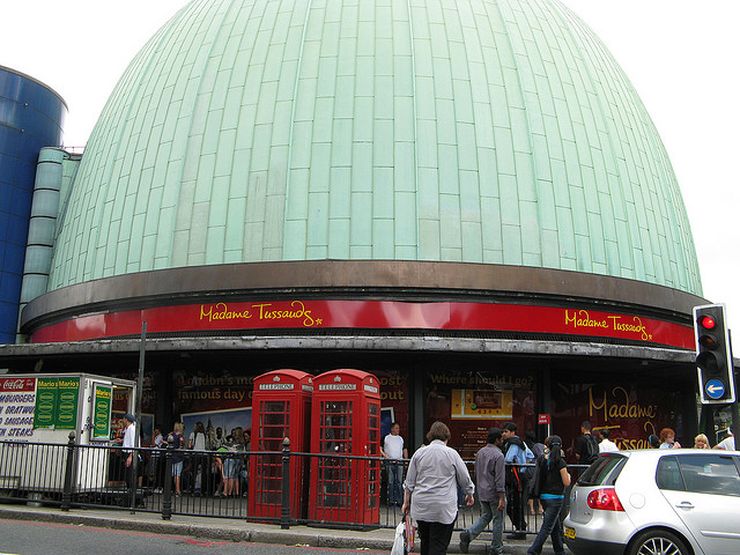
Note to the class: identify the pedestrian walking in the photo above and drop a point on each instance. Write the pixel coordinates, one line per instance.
(552, 478)
(197, 443)
(394, 451)
(517, 453)
(490, 477)
(537, 449)
(177, 442)
(429, 490)
(129, 443)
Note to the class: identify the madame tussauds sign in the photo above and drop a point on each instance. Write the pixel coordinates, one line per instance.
(371, 314)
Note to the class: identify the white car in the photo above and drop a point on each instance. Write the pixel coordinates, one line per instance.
(657, 502)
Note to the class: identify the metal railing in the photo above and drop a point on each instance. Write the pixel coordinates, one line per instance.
(346, 491)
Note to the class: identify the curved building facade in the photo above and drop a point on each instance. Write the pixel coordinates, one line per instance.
(467, 199)
(31, 116)
(482, 132)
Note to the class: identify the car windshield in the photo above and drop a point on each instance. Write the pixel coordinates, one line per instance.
(604, 471)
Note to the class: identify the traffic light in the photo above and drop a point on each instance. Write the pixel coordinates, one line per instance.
(713, 355)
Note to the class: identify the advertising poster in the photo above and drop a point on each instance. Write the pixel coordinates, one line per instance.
(67, 393)
(394, 401)
(17, 406)
(472, 401)
(102, 405)
(227, 420)
(630, 412)
(387, 417)
(56, 403)
(47, 399)
(482, 404)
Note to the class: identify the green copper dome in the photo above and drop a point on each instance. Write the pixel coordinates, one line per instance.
(487, 131)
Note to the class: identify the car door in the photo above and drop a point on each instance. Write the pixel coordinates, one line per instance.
(705, 494)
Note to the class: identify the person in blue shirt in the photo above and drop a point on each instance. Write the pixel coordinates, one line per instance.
(552, 479)
(516, 483)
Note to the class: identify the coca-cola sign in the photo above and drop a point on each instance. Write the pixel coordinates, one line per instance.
(17, 384)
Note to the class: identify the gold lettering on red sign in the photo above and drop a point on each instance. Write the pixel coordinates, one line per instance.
(297, 311)
(579, 319)
(220, 311)
(261, 311)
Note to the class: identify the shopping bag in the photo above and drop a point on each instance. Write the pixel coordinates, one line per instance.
(399, 540)
(409, 533)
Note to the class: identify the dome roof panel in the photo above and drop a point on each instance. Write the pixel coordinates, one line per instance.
(490, 131)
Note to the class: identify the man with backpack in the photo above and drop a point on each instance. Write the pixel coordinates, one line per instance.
(586, 447)
(517, 453)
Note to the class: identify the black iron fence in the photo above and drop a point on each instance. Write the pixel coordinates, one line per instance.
(290, 488)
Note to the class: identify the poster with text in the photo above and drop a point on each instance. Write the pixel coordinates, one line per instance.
(102, 404)
(482, 404)
(17, 407)
(227, 420)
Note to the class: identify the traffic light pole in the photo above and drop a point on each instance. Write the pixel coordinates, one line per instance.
(736, 405)
(736, 420)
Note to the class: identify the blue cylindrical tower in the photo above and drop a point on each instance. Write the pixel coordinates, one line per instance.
(31, 116)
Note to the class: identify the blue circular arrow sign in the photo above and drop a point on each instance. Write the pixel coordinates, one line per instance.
(715, 389)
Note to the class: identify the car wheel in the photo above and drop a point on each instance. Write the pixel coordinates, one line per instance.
(658, 542)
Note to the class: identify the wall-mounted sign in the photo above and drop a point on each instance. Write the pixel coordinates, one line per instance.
(47, 398)
(17, 406)
(102, 403)
(350, 314)
(56, 403)
(481, 404)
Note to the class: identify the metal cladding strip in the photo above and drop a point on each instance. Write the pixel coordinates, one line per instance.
(411, 280)
(354, 343)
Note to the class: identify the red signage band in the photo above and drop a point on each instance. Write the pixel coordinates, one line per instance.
(312, 314)
(17, 385)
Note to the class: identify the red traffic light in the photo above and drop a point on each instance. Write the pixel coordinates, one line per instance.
(707, 322)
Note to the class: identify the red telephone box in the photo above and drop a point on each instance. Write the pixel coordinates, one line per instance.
(281, 407)
(346, 421)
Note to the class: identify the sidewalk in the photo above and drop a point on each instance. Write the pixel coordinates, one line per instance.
(232, 530)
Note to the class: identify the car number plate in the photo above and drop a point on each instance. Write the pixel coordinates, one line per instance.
(569, 533)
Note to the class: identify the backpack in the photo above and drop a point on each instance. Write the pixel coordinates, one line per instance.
(591, 449)
(528, 472)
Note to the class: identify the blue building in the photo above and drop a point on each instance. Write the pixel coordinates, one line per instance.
(31, 116)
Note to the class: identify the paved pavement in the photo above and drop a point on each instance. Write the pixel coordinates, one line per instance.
(230, 529)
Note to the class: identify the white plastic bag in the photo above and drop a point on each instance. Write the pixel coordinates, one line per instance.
(398, 541)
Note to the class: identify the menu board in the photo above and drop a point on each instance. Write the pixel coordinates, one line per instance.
(69, 389)
(47, 399)
(102, 412)
(56, 403)
(17, 405)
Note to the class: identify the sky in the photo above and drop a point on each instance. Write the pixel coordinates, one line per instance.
(681, 56)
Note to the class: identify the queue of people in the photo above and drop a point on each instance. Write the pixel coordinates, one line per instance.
(436, 472)
(221, 474)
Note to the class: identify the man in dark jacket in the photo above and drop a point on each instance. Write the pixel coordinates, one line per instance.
(586, 447)
(490, 485)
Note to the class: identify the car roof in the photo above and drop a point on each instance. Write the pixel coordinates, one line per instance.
(657, 453)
